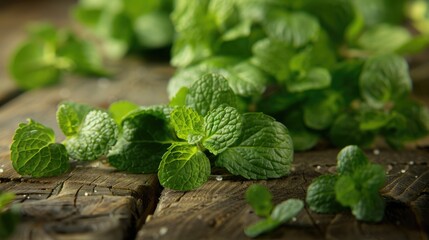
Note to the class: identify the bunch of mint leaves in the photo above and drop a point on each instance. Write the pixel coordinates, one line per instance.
(329, 69)
(127, 25)
(260, 199)
(8, 215)
(200, 128)
(356, 186)
(48, 53)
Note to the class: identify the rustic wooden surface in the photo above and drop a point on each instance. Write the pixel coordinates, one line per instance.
(218, 209)
(94, 201)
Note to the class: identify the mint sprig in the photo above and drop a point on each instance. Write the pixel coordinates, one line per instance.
(9, 215)
(180, 141)
(260, 199)
(356, 186)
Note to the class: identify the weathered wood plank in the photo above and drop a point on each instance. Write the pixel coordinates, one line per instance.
(87, 203)
(218, 209)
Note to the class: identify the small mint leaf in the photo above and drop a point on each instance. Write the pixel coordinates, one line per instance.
(263, 226)
(223, 127)
(98, 133)
(260, 199)
(120, 109)
(286, 210)
(321, 196)
(180, 98)
(183, 167)
(210, 92)
(34, 152)
(188, 124)
(70, 116)
(264, 149)
(349, 159)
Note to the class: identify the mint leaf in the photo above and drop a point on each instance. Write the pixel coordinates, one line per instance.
(321, 196)
(32, 67)
(315, 78)
(260, 199)
(350, 159)
(35, 153)
(188, 124)
(287, 27)
(266, 56)
(70, 116)
(183, 167)
(360, 192)
(98, 133)
(120, 109)
(286, 210)
(263, 226)
(222, 128)
(145, 137)
(154, 30)
(211, 91)
(5, 199)
(281, 214)
(384, 38)
(180, 98)
(264, 149)
(384, 79)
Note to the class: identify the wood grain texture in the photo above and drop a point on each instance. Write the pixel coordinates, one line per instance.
(90, 202)
(218, 209)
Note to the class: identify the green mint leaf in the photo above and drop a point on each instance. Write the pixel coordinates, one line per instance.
(180, 98)
(35, 153)
(210, 92)
(286, 210)
(263, 226)
(383, 38)
(360, 192)
(154, 30)
(32, 65)
(384, 78)
(98, 133)
(349, 159)
(145, 137)
(260, 199)
(273, 57)
(183, 167)
(222, 128)
(120, 109)
(264, 149)
(315, 78)
(70, 116)
(188, 124)
(370, 208)
(346, 190)
(321, 196)
(288, 27)
(302, 137)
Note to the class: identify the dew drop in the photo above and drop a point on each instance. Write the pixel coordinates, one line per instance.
(86, 194)
(1, 170)
(95, 191)
(163, 231)
(416, 176)
(411, 163)
(403, 170)
(318, 167)
(219, 178)
(28, 197)
(376, 152)
(294, 219)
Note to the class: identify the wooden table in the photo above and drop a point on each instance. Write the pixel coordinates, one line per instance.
(94, 201)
